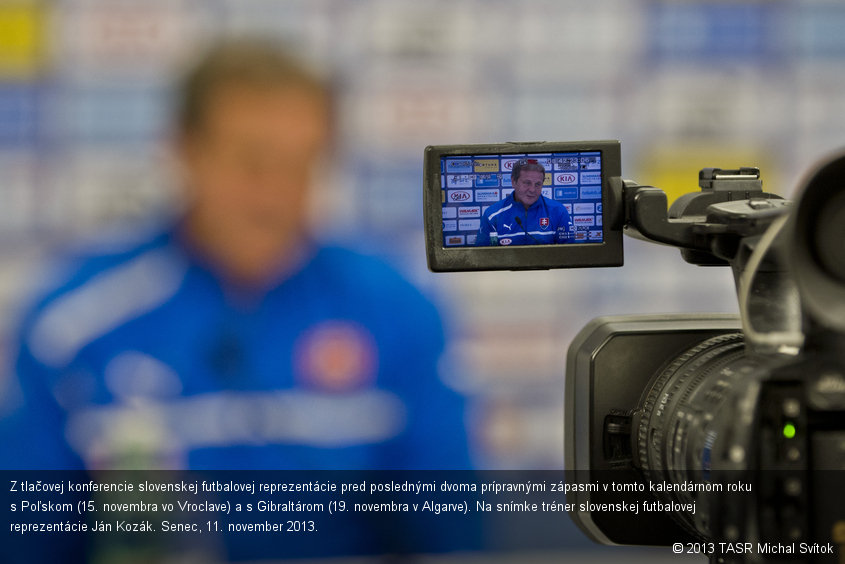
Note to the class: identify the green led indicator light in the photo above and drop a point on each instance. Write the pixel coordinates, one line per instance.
(789, 430)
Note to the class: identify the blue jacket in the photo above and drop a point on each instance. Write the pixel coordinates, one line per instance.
(142, 359)
(507, 222)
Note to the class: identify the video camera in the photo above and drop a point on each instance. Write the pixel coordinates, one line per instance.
(693, 403)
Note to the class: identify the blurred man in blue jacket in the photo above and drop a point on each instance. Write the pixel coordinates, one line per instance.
(232, 339)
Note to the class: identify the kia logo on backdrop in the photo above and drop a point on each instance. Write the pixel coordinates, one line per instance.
(566, 178)
(459, 196)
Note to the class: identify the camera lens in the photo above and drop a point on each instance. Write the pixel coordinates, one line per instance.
(815, 241)
(690, 385)
(681, 411)
(829, 237)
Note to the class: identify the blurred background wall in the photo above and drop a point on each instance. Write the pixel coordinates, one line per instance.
(84, 113)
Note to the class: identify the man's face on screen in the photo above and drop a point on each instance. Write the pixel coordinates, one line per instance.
(528, 187)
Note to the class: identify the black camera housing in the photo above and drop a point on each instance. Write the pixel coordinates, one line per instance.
(713, 398)
(609, 364)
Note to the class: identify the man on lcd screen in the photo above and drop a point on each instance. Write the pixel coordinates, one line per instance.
(525, 216)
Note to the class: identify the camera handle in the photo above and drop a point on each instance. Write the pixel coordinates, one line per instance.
(707, 225)
(727, 223)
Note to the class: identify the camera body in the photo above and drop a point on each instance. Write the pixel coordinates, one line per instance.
(739, 421)
(755, 403)
(610, 364)
(677, 398)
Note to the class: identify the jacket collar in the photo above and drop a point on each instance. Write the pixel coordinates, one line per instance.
(520, 206)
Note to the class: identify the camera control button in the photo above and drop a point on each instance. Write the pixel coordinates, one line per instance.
(760, 204)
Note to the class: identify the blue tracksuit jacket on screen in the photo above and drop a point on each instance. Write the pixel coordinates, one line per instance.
(546, 222)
